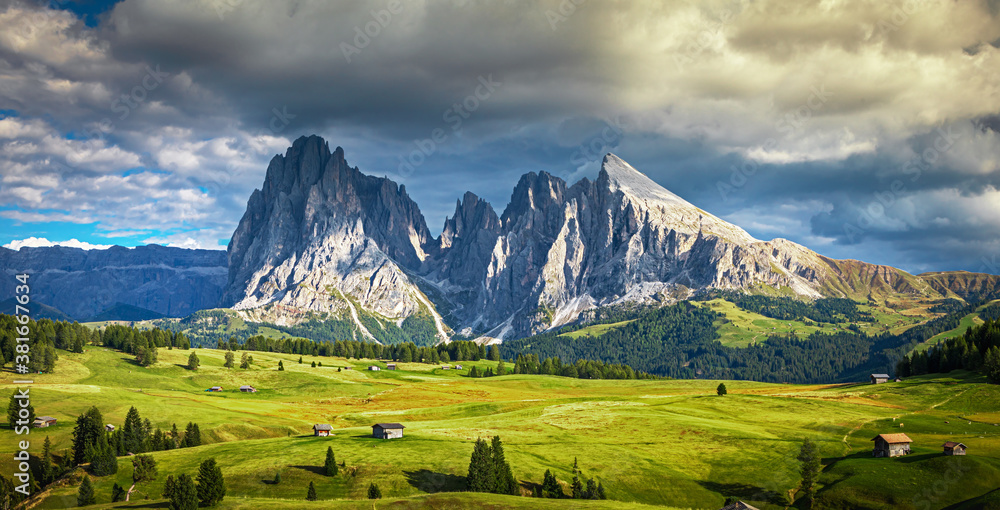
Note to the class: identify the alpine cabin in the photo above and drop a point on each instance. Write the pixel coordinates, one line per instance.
(891, 445)
(387, 430)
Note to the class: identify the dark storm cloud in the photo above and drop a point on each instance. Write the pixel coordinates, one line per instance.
(790, 119)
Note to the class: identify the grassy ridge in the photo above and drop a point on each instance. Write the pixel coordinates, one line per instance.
(671, 443)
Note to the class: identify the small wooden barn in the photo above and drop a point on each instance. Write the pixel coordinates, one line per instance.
(880, 378)
(109, 428)
(248, 389)
(390, 366)
(387, 430)
(953, 448)
(374, 368)
(215, 388)
(891, 445)
(322, 429)
(43, 421)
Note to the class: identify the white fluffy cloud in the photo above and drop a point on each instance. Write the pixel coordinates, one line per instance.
(35, 242)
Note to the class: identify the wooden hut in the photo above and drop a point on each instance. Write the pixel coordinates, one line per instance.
(953, 448)
(891, 445)
(322, 429)
(387, 430)
(879, 378)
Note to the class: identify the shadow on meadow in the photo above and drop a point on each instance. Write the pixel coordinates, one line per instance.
(432, 481)
(319, 470)
(745, 492)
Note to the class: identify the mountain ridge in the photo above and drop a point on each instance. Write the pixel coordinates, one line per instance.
(555, 251)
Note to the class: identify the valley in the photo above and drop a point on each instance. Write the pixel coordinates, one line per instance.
(669, 443)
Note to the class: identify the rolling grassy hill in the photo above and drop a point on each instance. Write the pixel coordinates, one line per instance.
(663, 443)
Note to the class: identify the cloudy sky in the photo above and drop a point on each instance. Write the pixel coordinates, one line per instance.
(866, 130)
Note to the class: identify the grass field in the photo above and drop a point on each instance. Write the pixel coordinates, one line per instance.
(671, 444)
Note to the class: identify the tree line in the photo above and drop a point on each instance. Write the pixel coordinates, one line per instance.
(977, 350)
(829, 310)
(681, 341)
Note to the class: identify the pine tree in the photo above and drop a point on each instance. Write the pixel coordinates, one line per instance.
(193, 361)
(577, 487)
(103, 460)
(374, 492)
(168, 487)
(600, 491)
(229, 359)
(175, 435)
(277, 478)
(550, 486)
(503, 478)
(185, 495)
(810, 467)
(211, 485)
(330, 466)
(480, 475)
(313, 364)
(311, 493)
(86, 494)
(132, 432)
(245, 361)
(281, 366)
(721, 390)
(300, 360)
(591, 491)
(46, 461)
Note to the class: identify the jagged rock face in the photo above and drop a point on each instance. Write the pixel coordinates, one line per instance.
(466, 242)
(83, 283)
(321, 236)
(620, 238)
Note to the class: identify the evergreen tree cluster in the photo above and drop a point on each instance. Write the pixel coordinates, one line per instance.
(681, 341)
(828, 310)
(978, 350)
(591, 490)
(489, 470)
(93, 444)
(44, 337)
(184, 494)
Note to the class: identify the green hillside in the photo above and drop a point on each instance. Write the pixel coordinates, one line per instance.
(662, 443)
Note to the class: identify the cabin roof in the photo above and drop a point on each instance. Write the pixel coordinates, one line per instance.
(894, 438)
(45, 418)
(952, 444)
(322, 426)
(389, 425)
(880, 376)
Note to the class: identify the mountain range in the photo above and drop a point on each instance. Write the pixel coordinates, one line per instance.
(321, 241)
